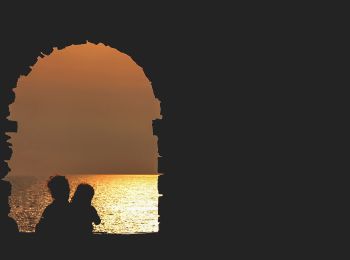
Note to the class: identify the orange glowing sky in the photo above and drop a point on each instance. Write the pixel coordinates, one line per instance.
(84, 109)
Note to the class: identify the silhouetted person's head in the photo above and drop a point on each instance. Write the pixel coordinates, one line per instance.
(59, 188)
(83, 195)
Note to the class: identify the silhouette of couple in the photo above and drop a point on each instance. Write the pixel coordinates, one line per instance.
(62, 218)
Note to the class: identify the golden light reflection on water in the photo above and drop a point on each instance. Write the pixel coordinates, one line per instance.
(126, 203)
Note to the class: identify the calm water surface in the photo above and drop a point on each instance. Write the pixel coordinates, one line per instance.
(127, 204)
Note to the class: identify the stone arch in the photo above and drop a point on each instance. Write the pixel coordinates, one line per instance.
(7, 97)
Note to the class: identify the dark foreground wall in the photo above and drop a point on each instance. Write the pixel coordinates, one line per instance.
(176, 59)
(249, 139)
(20, 53)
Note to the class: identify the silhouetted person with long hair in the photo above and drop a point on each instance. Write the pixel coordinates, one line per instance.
(82, 212)
(55, 219)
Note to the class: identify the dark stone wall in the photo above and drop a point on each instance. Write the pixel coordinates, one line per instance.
(246, 110)
(38, 48)
(168, 59)
(202, 107)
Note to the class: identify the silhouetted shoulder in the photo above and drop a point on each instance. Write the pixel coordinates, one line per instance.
(55, 209)
(54, 219)
(42, 224)
(49, 210)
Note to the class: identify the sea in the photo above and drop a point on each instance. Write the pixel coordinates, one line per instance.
(127, 204)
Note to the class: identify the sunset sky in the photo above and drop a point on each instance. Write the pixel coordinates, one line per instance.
(84, 109)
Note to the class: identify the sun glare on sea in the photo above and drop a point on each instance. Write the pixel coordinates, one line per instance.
(127, 204)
